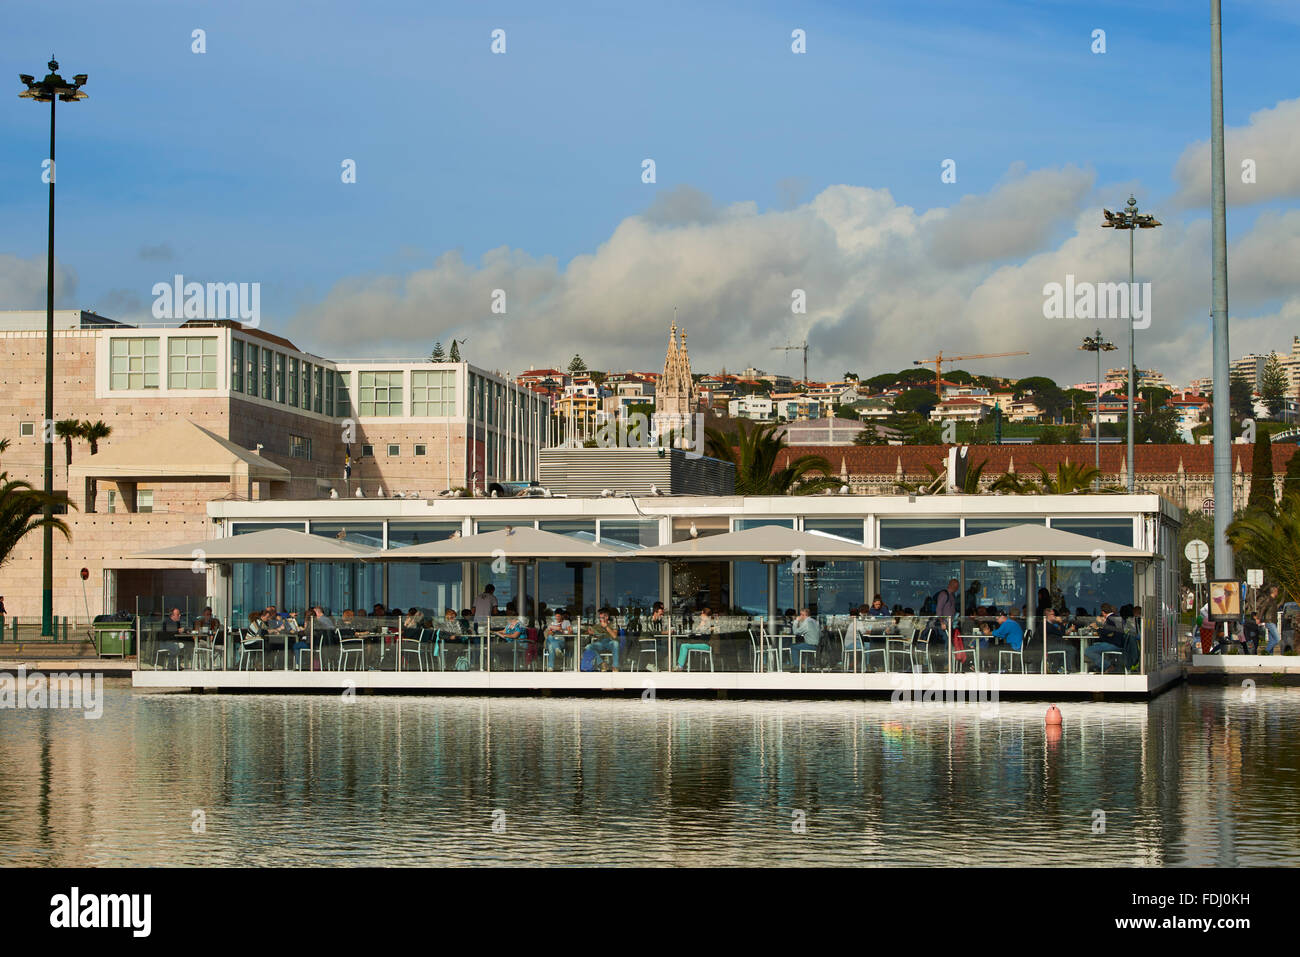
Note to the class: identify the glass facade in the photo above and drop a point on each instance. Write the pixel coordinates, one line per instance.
(236, 365)
(433, 393)
(433, 587)
(907, 584)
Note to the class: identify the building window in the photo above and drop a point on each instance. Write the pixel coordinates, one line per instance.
(318, 379)
(299, 447)
(421, 450)
(381, 393)
(433, 393)
(26, 429)
(236, 365)
(192, 363)
(267, 359)
(330, 375)
(293, 381)
(344, 397)
(252, 369)
(279, 377)
(394, 450)
(133, 364)
(144, 500)
(112, 500)
(367, 451)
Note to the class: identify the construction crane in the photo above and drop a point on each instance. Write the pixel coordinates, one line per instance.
(940, 359)
(804, 347)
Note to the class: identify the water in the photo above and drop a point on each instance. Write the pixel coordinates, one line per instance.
(1198, 777)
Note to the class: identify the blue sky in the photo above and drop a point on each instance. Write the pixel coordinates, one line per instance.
(226, 165)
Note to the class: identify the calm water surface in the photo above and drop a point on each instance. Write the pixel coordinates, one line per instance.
(1201, 776)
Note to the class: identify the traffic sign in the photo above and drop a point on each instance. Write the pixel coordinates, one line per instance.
(1254, 577)
(1197, 551)
(1198, 574)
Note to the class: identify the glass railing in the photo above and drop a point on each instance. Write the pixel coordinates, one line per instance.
(680, 642)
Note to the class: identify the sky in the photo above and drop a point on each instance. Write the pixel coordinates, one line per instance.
(774, 171)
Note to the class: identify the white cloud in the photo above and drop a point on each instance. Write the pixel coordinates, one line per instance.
(22, 282)
(885, 285)
(1271, 140)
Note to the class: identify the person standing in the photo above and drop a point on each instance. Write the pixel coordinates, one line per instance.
(1267, 607)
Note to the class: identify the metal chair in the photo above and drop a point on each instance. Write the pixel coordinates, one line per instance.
(1065, 661)
(802, 652)
(249, 646)
(412, 646)
(1016, 654)
(1116, 654)
(207, 648)
(351, 645)
(692, 652)
(647, 646)
(899, 644)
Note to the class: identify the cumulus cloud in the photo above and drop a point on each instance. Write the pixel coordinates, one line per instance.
(884, 285)
(1271, 141)
(22, 282)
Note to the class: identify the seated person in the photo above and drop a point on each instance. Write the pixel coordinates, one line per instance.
(256, 625)
(705, 626)
(207, 623)
(1054, 631)
(291, 624)
(1009, 631)
(514, 628)
(808, 632)
(1110, 635)
(322, 621)
(170, 629)
(657, 623)
(556, 632)
(878, 609)
(606, 638)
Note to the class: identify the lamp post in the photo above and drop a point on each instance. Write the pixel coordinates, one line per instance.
(1098, 345)
(1129, 218)
(50, 90)
(1223, 557)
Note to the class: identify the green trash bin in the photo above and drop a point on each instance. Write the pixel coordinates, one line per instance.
(114, 639)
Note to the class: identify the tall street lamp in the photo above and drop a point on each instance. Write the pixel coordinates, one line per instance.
(1129, 218)
(50, 90)
(1098, 345)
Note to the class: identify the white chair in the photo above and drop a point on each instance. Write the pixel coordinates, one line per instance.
(250, 645)
(1016, 654)
(412, 646)
(692, 652)
(807, 651)
(350, 646)
(206, 648)
(1115, 654)
(647, 646)
(899, 643)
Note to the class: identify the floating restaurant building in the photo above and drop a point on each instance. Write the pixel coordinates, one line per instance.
(750, 560)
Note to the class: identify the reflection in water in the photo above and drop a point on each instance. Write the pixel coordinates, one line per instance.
(1196, 777)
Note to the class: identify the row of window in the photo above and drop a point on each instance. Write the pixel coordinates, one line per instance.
(276, 377)
(395, 449)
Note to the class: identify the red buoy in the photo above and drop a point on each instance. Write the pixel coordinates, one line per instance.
(1053, 715)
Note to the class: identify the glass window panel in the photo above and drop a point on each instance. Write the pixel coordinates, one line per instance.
(903, 532)
(909, 584)
(629, 535)
(583, 531)
(568, 585)
(852, 530)
(252, 368)
(293, 380)
(1119, 531)
(418, 533)
(318, 379)
(433, 587)
(133, 363)
(751, 587)
(975, 526)
(506, 583)
(236, 365)
(834, 588)
(268, 359)
(741, 524)
(192, 362)
(629, 586)
(359, 533)
(279, 377)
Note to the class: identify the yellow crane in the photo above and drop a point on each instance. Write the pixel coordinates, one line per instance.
(940, 359)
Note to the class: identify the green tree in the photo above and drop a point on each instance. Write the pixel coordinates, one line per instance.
(438, 354)
(754, 450)
(1013, 483)
(1273, 386)
(92, 432)
(869, 436)
(1271, 542)
(1069, 478)
(879, 383)
(1261, 476)
(921, 401)
(1160, 427)
(67, 430)
(1290, 483)
(845, 412)
(22, 511)
(576, 365)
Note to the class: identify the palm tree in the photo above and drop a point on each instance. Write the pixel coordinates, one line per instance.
(1271, 542)
(92, 432)
(973, 475)
(22, 511)
(1070, 478)
(67, 430)
(754, 451)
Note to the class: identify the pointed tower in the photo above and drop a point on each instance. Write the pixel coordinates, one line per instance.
(676, 397)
